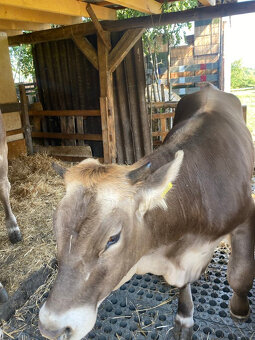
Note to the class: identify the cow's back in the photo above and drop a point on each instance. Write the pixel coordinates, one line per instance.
(213, 193)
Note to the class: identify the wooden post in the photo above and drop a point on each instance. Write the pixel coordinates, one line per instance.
(244, 107)
(25, 119)
(106, 101)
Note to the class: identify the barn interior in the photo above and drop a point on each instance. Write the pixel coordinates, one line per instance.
(94, 99)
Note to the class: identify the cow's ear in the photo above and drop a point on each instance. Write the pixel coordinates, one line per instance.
(158, 185)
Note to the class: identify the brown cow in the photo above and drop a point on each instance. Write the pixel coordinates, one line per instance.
(164, 215)
(10, 220)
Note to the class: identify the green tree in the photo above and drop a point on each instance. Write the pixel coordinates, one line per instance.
(22, 63)
(241, 76)
(170, 33)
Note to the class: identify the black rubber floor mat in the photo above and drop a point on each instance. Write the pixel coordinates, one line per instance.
(145, 308)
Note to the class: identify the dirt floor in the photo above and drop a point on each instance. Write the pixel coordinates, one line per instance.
(36, 191)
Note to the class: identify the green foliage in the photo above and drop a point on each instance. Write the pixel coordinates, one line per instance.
(22, 63)
(241, 76)
(169, 33)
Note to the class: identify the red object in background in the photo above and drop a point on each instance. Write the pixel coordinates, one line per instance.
(203, 77)
(202, 66)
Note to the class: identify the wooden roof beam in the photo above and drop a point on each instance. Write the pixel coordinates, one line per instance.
(98, 27)
(22, 26)
(21, 14)
(87, 49)
(202, 13)
(71, 8)
(208, 2)
(12, 32)
(145, 6)
(124, 45)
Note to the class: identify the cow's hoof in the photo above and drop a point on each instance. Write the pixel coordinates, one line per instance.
(3, 295)
(239, 308)
(15, 235)
(182, 333)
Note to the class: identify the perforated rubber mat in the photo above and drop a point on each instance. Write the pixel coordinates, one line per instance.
(145, 308)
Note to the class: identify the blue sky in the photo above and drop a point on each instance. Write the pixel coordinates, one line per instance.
(242, 39)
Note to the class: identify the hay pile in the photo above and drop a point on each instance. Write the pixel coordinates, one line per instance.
(36, 191)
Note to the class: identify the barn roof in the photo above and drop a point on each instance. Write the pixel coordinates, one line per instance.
(35, 15)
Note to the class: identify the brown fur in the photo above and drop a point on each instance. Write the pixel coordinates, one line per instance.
(210, 198)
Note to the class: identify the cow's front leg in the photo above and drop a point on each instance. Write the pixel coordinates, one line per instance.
(14, 233)
(184, 319)
(241, 268)
(3, 294)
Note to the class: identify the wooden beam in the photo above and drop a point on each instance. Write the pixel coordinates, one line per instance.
(162, 115)
(106, 102)
(59, 135)
(124, 45)
(11, 33)
(208, 2)
(98, 27)
(21, 14)
(10, 107)
(21, 25)
(64, 113)
(87, 49)
(25, 119)
(67, 7)
(145, 6)
(195, 14)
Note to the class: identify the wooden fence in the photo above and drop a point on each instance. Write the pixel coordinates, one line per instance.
(161, 117)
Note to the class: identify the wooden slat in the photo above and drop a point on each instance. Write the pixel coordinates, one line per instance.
(77, 136)
(64, 113)
(10, 107)
(162, 115)
(165, 105)
(67, 7)
(145, 6)
(14, 132)
(87, 49)
(159, 133)
(139, 22)
(16, 148)
(124, 45)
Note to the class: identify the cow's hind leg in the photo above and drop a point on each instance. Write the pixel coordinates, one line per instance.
(241, 268)
(3, 294)
(184, 319)
(10, 220)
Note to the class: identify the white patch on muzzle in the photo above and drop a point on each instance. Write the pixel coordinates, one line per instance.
(80, 320)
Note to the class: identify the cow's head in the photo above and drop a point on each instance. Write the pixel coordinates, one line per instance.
(101, 234)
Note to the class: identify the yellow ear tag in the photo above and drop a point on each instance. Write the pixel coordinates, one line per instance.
(169, 186)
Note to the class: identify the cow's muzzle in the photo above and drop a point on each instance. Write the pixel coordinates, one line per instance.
(60, 334)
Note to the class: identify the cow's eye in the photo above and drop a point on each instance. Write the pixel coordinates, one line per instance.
(112, 240)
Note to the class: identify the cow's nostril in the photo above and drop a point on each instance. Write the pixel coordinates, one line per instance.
(61, 334)
(68, 331)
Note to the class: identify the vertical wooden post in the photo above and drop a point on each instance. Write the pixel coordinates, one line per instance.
(25, 119)
(244, 107)
(106, 101)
